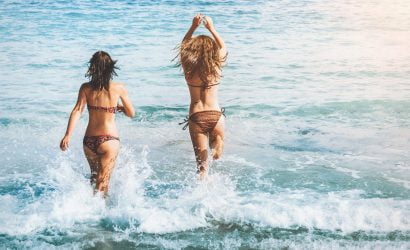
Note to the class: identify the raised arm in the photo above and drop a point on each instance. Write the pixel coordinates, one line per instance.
(74, 117)
(195, 23)
(209, 25)
(127, 107)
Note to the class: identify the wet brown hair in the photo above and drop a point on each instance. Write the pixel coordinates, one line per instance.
(200, 55)
(101, 70)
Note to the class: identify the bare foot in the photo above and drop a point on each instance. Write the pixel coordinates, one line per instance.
(202, 173)
(203, 176)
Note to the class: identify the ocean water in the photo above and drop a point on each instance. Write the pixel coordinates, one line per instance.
(317, 133)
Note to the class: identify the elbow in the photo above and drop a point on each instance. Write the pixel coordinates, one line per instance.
(76, 112)
(78, 109)
(131, 114)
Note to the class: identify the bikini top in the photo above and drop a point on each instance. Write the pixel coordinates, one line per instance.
(104, 109)
(203, 85)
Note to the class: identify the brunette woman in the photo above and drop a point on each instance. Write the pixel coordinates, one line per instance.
(101, 141)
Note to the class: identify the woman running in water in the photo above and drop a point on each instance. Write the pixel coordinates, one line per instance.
(101, 95)
(202, 58)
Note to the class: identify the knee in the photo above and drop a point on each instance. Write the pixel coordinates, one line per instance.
(219, 138)
(109, 157)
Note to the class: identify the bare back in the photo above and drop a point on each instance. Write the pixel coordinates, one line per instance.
(202, 98)
(100, 122)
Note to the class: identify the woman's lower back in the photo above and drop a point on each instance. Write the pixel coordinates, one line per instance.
(200, 106)
(99, 124)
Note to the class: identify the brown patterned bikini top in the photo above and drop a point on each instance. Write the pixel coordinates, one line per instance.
(104, 109)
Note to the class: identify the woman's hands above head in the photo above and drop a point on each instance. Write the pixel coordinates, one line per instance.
(209, 25)
(64, 143)
(197, 20)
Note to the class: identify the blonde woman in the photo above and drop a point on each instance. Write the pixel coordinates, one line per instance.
(202, 58)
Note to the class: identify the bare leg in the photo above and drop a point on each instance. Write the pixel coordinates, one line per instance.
(108, 152)
(93, 161)
(200, 144)
(216, 138)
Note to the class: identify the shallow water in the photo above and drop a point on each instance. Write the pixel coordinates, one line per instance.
(317, 136)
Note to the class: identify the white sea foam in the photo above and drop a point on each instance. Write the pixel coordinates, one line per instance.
(215, 201)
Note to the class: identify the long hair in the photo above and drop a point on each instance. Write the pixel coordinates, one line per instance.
(200, 55)
(101, 70)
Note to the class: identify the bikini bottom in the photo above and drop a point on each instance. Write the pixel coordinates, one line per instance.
(205, 120)
(94, 142)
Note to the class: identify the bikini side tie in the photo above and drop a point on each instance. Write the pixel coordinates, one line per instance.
(186, 121)
(223, 111)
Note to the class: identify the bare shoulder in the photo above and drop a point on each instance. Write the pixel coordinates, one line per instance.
(85, 87)
(117, 84)
(118, 87)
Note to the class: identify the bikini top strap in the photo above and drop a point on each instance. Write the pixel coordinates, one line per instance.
(211, 85)
(204, 86)
(194, 86)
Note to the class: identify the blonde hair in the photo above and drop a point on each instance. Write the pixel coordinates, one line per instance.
(200, 55)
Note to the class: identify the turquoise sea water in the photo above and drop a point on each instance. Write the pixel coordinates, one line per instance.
(317, 139)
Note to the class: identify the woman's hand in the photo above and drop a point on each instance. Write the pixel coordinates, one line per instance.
(64, 143)
(197, 20)
(120, 109)
(208, 23)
